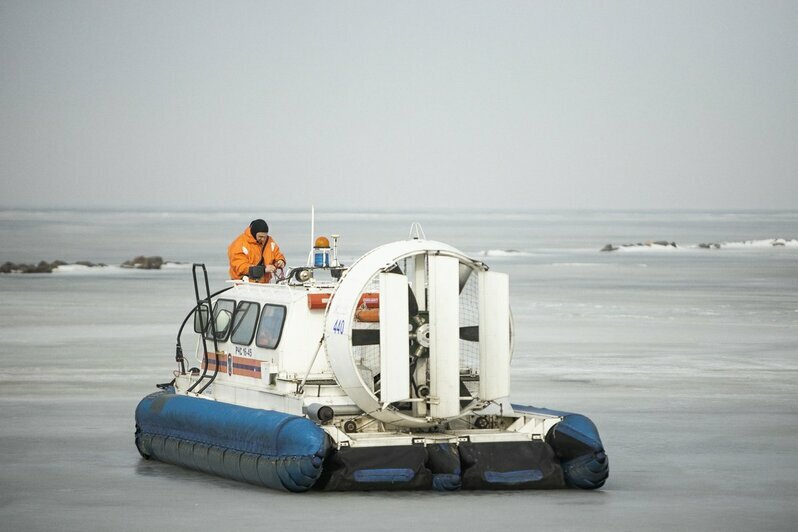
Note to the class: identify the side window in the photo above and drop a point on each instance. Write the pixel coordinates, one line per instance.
(271, 326)
(222, 312)
(244, 321)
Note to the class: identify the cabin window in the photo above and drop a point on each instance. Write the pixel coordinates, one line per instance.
(244, 321)
(222, 311)
(270, 329)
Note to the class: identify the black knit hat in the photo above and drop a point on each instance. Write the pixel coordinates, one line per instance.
(258, 226)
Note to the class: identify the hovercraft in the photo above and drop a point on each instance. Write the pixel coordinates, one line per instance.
(390, 374)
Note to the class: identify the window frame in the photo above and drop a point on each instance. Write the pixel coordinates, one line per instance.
(234, 328)
(282, 325)
(214, 316)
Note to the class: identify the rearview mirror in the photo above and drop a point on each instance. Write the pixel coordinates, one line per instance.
(201, 319)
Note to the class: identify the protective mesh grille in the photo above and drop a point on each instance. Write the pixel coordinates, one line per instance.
(367, 357)
(469, 317)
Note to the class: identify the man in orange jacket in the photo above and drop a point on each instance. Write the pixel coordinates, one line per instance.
(255, 254)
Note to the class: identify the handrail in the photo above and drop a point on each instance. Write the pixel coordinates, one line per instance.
(212, 323)
(179, 347)
(213, 331)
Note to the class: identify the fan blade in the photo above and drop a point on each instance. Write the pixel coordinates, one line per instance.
(412, 304)
(365, 337)
(470, 333)
(465, 273)
(395, 269)
(420, 281)
(464, 393)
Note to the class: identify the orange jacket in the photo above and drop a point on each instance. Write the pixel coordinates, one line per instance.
(245, 251)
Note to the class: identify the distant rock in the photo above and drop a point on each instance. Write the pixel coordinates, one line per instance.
(769, 242)
(144, 263)
(141, 263)
(42, 266)
(89, 263)
(647, 243)
(766, 243)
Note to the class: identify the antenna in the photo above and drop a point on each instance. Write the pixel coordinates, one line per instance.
(335, 251)
(416, 232)
(312, 234)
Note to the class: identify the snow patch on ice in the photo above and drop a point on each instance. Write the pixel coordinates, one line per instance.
(765, 243)
(80, 269)
(503, 253)
(176, 266)
(577, 264)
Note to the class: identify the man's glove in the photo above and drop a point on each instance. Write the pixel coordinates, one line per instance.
(256, 272)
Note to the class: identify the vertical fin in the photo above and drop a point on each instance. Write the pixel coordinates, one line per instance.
(394, 339)
(444, 309)
(494, 335)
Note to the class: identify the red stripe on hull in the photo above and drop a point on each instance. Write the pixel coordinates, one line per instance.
(242, 367)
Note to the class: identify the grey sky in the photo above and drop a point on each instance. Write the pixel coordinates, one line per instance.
(399, 105)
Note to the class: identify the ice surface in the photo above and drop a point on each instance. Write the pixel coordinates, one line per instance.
(687, 363)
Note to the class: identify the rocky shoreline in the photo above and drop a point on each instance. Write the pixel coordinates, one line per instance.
(649, 243)
(139, 263)
(144, 263)
(774, 242)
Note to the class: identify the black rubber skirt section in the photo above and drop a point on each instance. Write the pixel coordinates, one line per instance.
(377, 468)
(444, 467)
(510, 465)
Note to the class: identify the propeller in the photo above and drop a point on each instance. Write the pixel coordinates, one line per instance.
(412, 303)
(365, 337)
(417, 320)
(362, 337)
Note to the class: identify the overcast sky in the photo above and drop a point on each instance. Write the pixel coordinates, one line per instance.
(399, 105)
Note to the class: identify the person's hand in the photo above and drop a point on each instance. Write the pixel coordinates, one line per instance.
(270, 268)
(280, 264)
(256, 272)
